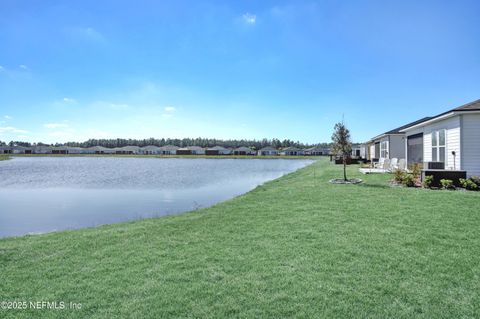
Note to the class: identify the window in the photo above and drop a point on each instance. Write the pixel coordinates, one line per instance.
(384, 149)
(438, 146)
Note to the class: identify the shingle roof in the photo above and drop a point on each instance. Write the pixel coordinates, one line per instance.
(398, 129)
(472, 106)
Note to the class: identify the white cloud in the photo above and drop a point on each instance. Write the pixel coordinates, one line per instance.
(8, 117)
(69, 100)
(23, 67)
(168, 112)
(249, 18)
(55, 125)
(10, 129)
(2, 68)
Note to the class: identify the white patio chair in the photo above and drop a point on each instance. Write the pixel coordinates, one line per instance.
(381, 160)
(394, 163)
(402, 164)
(386, 165)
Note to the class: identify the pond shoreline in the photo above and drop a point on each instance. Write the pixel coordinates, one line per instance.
(46, 194)
(171, 156)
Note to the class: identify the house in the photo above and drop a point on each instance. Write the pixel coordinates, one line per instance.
(169, 150)
(130, 150)
(75, 150)
(218, 150)
(243, 151)
(359, 150)
(6, 150)
(191, 150)
(390, 144)
(292, 151)
(42, 149)
(450, 140)
(150, 150)
(316, 151)
(267, 151)
(102, 150)
(196, 150)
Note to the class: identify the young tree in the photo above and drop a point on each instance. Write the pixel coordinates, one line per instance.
(342, 146)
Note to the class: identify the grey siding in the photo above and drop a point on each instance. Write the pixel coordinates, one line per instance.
(471, 144)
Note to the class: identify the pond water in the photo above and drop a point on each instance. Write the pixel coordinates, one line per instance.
(45, 194)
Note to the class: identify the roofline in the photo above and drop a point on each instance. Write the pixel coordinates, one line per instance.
(439, 118)
(383, 135)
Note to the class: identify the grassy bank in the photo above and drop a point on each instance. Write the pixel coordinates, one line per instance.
(4, 157)
(294, 247)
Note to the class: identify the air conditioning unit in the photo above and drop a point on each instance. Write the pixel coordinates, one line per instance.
(435, 165)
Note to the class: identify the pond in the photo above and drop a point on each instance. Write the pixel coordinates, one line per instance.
(44, 194)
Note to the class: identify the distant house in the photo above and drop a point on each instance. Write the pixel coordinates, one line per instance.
(390, 144)
(359, 150)
(150, 150)
(40, 149)
(128, 150)
(191, 150)
(316, 151)
(75, 150)
(292, 151)
(6, 150)
(267, 151)
(101, 150)
(169, 150)
(243, 151)
(450, 139)
(218, 150)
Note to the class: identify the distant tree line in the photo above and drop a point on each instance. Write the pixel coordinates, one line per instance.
(202, 142)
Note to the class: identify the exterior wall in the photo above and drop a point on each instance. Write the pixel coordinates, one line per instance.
(470, 136)
(372, 151)
(452, 143)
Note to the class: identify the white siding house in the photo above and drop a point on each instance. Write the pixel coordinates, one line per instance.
(169, 150)
(292, 151)
(267, 151)
(452, 138)
(390, 144)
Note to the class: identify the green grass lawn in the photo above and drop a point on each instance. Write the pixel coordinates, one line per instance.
(4, 157)
(294, 247)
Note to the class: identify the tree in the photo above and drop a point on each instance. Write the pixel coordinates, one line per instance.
(342, 146)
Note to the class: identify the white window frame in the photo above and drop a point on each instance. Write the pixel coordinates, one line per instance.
(437, 147)
(384, 149)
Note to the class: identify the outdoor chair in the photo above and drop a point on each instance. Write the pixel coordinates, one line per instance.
(402, 164)
(394, 164)
(381, 160)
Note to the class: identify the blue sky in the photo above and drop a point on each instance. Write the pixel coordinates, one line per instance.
(73, 70)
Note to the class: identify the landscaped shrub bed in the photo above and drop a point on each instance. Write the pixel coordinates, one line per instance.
(412, 179)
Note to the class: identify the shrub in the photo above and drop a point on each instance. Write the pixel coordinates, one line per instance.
(409, 180)
(399, 176)
(476, 180)
(468, 184)
(427, 181)
(447, 184)
(416, 170)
